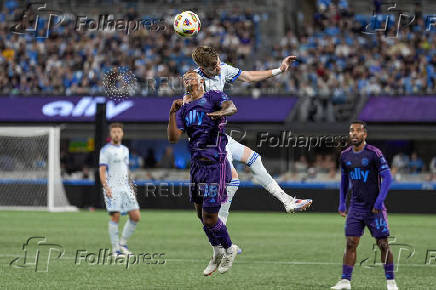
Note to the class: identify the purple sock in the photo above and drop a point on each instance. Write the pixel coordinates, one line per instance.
(212, 239)
(347, 271)
(221, 234)
(389, 271)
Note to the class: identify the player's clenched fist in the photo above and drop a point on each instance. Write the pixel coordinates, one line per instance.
(176, 105)
(286, 63)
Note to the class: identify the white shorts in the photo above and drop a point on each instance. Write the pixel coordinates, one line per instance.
(234, 149)
(122, 201)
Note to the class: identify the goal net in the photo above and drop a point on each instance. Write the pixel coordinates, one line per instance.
(30, 172)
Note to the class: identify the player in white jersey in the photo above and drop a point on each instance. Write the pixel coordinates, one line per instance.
(119, 194)
(216, 74)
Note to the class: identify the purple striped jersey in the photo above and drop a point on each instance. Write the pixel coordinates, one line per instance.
(363, 169)
(204, 140)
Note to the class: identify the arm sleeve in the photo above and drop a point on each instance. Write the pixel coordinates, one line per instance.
(343, 188)
(231, 73)
(218, 98)
(104, 158)
(384, 188)
(179, 120)
(385, 173)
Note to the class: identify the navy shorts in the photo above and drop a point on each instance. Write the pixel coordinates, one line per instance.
(207, 178)
(357, 220)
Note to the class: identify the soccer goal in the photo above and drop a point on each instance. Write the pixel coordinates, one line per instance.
(30, 171)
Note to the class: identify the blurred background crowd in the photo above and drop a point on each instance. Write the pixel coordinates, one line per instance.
(338, 60)
(342, 61)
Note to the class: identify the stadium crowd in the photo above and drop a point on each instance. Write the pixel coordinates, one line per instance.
(338, 60)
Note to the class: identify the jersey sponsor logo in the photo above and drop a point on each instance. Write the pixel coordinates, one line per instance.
(194, 118)
(364, 162)
(359, 174)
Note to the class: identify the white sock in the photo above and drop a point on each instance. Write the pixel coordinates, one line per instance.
(218, 250)
(232, 187)
(264, 178)
(113, 234)
(128, 230)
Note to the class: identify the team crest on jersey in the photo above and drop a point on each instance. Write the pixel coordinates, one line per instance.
(202, 101)
(348, 163)
(365, 161)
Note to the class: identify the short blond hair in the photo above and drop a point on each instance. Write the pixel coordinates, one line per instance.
(205, 56)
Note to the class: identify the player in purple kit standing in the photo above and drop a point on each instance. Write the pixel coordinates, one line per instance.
(202, 117)
(371, 178)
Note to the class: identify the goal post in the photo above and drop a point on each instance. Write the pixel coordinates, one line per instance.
(30, 170)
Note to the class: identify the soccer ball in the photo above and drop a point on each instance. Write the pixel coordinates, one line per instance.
(187, 24)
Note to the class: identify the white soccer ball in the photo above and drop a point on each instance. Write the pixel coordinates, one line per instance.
(187, 24)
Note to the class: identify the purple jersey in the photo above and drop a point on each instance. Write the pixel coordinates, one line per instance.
(204, 140)
(363, 168)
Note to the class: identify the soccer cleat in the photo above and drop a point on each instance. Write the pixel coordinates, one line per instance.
(118, 253)
(125, 250)
(228, 258)
(342, 284)
(213, 265)
(294, 205)
(391, 285)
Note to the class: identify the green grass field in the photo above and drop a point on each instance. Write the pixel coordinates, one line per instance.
(298, 251)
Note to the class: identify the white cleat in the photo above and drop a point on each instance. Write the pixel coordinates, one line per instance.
(342, 284)
(125, 250)
(117, 254)
(294, 205)
(391, 285)
(213, 265)
(228, 258)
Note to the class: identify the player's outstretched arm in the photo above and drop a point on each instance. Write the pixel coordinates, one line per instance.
(173, 132)
(227, 109)
(256, 76)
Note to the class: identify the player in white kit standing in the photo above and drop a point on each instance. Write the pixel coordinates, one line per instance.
(216, 74)
(119, 194)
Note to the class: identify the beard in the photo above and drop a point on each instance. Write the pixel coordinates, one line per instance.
(357, 143)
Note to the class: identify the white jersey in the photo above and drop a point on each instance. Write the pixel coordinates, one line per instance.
(116, 159)
(228, 74)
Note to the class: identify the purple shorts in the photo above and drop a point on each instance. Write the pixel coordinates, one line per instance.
(207, 178)
(357, 220)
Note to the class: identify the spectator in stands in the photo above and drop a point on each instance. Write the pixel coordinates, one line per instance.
(400, 163)
(167, 160)
(416, 164)
(135, 161)
(433, 168)
(150, 159)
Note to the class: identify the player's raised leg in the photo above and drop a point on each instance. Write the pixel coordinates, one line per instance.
(244, 154)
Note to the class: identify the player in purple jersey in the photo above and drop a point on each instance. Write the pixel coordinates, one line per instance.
(202, 117)
(370, 176)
